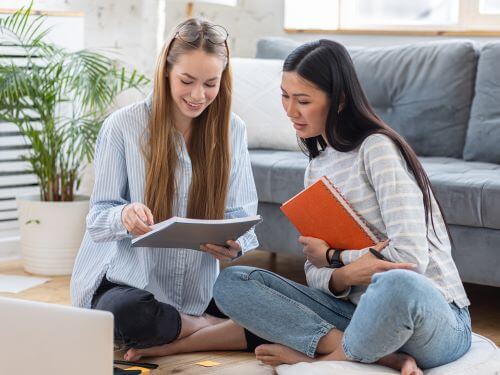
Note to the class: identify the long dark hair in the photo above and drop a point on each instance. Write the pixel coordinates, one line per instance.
(327, 64)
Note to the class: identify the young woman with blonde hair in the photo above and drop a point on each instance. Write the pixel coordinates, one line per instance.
(180, 152)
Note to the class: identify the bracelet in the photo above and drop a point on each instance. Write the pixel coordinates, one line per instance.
(327, 252)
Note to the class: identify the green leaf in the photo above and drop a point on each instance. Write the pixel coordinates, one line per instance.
(83, 83)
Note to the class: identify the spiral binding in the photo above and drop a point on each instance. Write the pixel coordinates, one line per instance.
(376, 233)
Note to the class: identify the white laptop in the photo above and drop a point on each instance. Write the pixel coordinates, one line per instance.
(45, 339)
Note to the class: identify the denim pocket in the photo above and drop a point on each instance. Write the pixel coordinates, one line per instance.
(462, 316)
(463, 327)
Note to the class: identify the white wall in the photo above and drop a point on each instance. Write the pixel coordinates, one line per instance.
(127, 29)
(253, 19)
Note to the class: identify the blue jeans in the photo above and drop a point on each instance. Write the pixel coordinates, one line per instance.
(400, 311)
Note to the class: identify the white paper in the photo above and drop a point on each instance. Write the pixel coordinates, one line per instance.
(17, 284)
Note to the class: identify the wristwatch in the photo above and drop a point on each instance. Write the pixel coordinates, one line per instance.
(334, 261)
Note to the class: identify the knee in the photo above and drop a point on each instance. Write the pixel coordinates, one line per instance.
(401, 286)
(127, 306)
(227, 283)
(230, 289)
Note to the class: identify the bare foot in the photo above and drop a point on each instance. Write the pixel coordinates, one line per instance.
(155, 351)
(191, 324)
(402, 362)
(409, 366)
(276, 354)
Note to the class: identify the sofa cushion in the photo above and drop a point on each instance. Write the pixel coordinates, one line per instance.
(469, 192)
(483, 135)
(257, 100)
(278, 175)
(424, 91)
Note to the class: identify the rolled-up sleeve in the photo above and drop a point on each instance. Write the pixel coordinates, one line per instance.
(108, 198)
(319, 278)
(242, 195)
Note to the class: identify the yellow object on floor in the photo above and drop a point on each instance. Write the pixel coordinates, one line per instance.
(144, 371)
(208, 363)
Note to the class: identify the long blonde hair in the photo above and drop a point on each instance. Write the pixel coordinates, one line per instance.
(208, 145)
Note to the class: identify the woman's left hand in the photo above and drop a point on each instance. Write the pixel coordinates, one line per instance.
(315, 250)
(222, 253)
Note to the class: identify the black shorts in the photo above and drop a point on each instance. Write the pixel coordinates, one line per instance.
(141, 321)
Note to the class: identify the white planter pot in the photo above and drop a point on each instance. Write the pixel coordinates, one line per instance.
(51, 233)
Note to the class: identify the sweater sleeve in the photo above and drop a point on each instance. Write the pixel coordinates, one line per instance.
(109, 195)
(400, 201)
(319, 278)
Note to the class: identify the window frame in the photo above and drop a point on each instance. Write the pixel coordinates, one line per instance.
(470, 23)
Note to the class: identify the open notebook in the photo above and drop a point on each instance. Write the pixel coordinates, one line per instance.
(321, 211)
(179, 232)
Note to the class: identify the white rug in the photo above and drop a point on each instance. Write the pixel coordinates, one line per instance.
(483, 358)
(17, 284)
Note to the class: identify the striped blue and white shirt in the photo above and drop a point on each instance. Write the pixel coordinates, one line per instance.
(182, 278)
(377, 182)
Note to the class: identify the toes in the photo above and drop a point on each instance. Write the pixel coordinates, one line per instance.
(263, 349)
(132, 355)
(269, 360)
(411, 370)
(136, 354)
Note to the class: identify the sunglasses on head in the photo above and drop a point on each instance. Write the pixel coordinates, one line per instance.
(215, 34)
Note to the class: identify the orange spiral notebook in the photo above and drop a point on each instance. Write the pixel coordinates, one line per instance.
(321, 211)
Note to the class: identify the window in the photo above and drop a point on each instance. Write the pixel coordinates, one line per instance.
(376, 13)
(386, 15)
(489, 6)
(311, 14)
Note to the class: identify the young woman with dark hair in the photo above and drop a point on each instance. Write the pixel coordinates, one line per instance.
(180, 152)
(407, 310)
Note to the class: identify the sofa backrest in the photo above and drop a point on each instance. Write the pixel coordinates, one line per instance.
(483, 135)
(424, 91)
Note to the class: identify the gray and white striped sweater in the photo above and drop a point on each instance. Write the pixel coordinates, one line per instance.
(377, 182)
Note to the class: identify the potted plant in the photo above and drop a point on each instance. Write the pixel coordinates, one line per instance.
(58, 100)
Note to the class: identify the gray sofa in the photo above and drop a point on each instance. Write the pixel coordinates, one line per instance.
(444, 98)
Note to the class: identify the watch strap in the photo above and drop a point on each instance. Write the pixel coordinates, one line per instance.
(335, 261)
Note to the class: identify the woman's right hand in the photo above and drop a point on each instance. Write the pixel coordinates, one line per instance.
(137, 218)
(360, 271)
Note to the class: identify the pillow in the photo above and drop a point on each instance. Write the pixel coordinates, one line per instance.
(257, 100)
(483, 136)
(483, 358)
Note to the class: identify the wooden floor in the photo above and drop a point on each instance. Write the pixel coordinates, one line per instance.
(485, 311)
